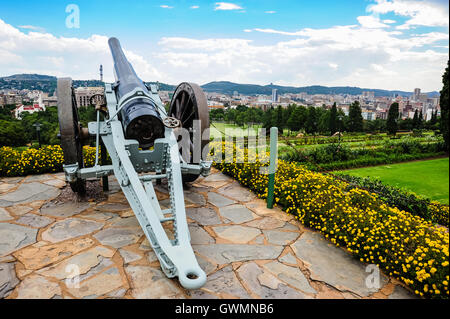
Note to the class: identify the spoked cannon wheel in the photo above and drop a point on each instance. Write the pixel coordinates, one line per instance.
(189, 106)
(71, 130)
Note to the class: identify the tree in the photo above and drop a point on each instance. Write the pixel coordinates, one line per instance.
(267, 119)
(296, 121)
(415, 122)
(332, 124)
(12, 133)
(277, 119)
(420, 122)
(444, 105)
(355, 119)
(392, 124)
(324, 120)
(311, 121)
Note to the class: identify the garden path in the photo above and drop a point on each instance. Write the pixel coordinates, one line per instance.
(247, 250)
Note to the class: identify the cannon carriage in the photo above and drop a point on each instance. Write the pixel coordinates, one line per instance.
(143, 142)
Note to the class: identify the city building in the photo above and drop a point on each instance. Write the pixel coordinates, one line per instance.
(84, 94)
(416, 94)
(27, 108)
(274, 95)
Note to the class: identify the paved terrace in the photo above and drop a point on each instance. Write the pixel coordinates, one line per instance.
(247, 250)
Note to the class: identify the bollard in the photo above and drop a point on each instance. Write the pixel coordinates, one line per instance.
(272, 165)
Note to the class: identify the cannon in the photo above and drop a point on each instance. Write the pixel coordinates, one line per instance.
(143, 143)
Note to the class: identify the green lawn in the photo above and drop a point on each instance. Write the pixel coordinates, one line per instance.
(218, 128)
(427, 178)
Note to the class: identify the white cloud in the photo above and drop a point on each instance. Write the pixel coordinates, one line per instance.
(44, 53)
(32, 27)
(333, 65)
(371, 22)
(388, 21)
(227, 6)
(342, 55)
(421, 13)
(165, 6)
(270, 12)
(195, 7)
(352, 55)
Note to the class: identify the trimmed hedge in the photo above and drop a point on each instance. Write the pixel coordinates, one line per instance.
(430, 210)
(341, 156)
(403, 245)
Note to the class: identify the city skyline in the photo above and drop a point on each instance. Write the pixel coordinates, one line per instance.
(393, 45)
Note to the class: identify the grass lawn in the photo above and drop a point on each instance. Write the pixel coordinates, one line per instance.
(218, 128)
(427, 178)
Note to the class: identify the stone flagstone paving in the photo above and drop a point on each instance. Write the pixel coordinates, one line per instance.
(247, 250)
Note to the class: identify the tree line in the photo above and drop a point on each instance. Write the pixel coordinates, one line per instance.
(14, 132)
(321, 120)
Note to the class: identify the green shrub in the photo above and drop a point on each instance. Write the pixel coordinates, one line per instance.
(423, 207)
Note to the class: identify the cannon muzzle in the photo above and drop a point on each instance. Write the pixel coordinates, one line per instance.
(140, 117)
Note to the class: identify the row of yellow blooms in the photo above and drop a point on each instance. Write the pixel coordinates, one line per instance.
(47, 159)
(404, 246)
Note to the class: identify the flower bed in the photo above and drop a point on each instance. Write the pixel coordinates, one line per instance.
(342, 156)
(403, 245)
(48, 159)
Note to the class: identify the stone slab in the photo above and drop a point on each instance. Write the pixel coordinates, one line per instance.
(199, 236)
(118, 237)
(219, 200)
(77, 265)
(227, 253)
(104, 283)
(204, 216)
(266, 223)
(250, 272)
(34, 221)
(225, 281)
(37, 287)
(288, 259)
(151, 283)
(4, 215)
(14, 237)
(64, 210)
(276, 237)
(236, 233)
(402, 293)
(40, 255)
(333, 265)
(237, 192)
(8, 279)
(70, 228)
(290, 275)
(194, 198)
(27, 193)
(237, 214)
(129, 256)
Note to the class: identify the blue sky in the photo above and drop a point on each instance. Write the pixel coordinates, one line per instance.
(390, 44)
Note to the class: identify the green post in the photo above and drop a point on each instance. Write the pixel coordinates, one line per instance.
(272, 165)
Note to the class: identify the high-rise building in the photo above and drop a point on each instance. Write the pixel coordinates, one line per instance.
(416, 95)
(274, 95)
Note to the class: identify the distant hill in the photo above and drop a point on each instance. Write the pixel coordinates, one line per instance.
(29, 77)
(253, 89)
(47, 84)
